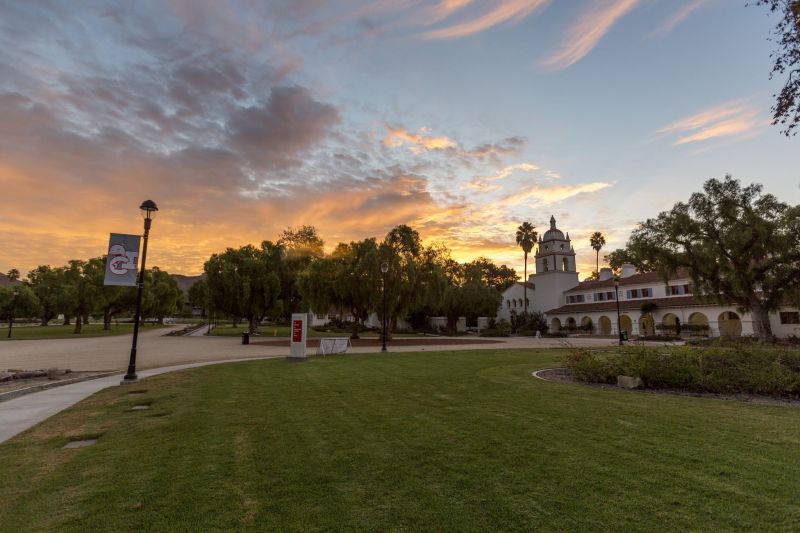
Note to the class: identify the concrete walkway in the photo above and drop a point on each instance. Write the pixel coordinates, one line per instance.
(24, 412)
(156, 350)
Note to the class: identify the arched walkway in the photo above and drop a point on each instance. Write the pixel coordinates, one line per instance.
(587, 325)
(698, 324)
(571, 324)
(604, 325)
(669, 324)
(730, 325)
(626, 324)
(555, 325)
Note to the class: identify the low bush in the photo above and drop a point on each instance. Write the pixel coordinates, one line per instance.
(494, 332)
(745, 369)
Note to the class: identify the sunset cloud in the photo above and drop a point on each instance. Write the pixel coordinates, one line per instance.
(731, 119)
(681, 14)
(546, 194)
(587, 31)
(505, 11)
(420, 141)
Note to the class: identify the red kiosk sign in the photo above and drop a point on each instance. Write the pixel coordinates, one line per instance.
(297, 331)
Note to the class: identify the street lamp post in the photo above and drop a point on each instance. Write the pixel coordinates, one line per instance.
(616, 297)
(384, 270)
(11, 314)
(149, 209)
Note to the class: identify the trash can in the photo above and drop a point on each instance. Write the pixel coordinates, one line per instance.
(624, 335)
(245, 337)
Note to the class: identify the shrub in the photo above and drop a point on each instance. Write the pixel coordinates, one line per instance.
(588, 365)
(745, 369)
(494, 332)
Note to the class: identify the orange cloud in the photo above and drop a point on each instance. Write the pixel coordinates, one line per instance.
(587, 31)
(550, 194)
(735, 118)
(418, 141)
(507, 10)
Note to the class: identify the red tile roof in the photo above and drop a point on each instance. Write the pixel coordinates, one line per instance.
(636, 279)
(629, 305)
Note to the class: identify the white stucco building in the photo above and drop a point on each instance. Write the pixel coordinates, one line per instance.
(591, 306)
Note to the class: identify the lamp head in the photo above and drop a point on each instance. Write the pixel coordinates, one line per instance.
(384, 267)
(616, 283)
(149, 209)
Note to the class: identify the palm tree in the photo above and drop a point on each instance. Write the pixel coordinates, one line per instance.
(597, 241)
(526, 237)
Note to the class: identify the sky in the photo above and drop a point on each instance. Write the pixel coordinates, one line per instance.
(461, 118)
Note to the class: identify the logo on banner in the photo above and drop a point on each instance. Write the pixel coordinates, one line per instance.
(121, 263)
(120, 260)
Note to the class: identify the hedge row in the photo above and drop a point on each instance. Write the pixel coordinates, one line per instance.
(747, 369)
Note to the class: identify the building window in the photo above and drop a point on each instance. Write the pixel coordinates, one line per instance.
(508, 303)
(632, 294)
(566, 264)
(599, 296)
(320, 316)
(575, 299)
(610, 296)
(679, 290)
(790, 317)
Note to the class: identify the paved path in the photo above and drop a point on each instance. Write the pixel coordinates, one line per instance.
(156, 350)
(21, 413)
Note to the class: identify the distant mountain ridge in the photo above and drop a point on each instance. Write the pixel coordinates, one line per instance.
(184, 282)
(5, 280)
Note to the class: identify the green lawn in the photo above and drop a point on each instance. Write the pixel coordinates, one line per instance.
(452, 441)
(66, 332)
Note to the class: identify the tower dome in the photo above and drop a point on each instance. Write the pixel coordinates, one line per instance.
(553, 234)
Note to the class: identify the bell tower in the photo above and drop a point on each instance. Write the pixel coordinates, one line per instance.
(555, 268)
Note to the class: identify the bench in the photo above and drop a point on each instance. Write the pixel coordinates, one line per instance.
(333, 345)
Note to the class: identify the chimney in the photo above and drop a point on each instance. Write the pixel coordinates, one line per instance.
(606, 274)
(628, 270)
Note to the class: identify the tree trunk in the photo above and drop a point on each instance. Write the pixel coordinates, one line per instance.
(354, 331)
(597, 263)
(66, 319)
(762, 329)
(106, 319)
(44, 321)
(253, 324)
(235, 321)
(78, 324)
(161, 320)
(525, 287)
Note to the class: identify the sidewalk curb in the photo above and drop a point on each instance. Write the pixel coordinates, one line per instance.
(44, 386)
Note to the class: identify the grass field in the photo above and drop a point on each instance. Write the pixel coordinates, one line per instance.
(66, 332)
(451, 441)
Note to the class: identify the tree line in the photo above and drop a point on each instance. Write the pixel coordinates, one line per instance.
(76, 291)
(294, 274)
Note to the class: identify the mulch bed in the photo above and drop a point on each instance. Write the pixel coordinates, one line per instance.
(356, 343)
(562, 375)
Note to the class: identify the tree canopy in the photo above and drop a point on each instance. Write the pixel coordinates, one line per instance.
(786, 110)
(738, 244)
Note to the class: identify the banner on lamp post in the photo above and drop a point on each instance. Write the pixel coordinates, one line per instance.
(122, 261)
